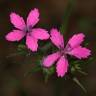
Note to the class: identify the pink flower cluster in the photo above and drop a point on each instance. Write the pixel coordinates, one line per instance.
(32, 34)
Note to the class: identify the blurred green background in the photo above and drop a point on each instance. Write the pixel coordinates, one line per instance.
(12, 69)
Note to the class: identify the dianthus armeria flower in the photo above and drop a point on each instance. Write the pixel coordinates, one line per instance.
(72, 48)
(32, 34)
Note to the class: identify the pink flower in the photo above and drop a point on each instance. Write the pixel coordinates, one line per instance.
(32, 34)
(73, 48)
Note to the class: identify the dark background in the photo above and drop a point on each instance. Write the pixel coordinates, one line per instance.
(12, 69)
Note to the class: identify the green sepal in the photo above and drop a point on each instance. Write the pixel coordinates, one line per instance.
(48, 72)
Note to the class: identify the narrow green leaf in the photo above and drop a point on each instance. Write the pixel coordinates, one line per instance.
(82, 72)
(33, 70)
(79, 84)
(46, 47)
(16, 54)
(21, 47)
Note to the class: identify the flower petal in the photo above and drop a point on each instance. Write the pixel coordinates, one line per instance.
(31, 43)
(80, 52)
(40, 33)
(17, 21)
(15, 35)
(33, 17)
(62, 66)
(76, 40)
(50, 59)
(57, 38)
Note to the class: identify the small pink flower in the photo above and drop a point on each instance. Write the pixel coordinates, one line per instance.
(32, 35)
(73, 48)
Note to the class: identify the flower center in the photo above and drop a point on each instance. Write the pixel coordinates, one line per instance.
(28, 29)
(65, 50)
(62, 51)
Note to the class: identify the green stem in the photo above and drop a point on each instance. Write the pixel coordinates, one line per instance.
(67, 15)
(58, 85)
